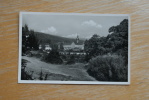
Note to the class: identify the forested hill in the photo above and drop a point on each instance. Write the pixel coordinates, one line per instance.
(48, 38)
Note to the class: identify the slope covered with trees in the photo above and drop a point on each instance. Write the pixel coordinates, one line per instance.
(48, 38)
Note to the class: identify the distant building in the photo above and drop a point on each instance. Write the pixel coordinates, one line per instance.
(44, 46)
(75, 46)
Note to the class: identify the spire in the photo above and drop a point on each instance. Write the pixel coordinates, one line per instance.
(77, 39)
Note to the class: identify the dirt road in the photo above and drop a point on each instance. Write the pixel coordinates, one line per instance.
(74, 72)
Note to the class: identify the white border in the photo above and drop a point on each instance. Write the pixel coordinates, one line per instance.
(70, 82)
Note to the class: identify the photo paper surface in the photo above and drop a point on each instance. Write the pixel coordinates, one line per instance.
(74, 48)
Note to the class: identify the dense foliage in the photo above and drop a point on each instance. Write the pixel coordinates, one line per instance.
(108, 56)
(108, 68)
(114, 43)
(53, 57)
(24, 74)
(29, 40)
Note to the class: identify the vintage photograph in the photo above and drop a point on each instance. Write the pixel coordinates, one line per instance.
(74, 48)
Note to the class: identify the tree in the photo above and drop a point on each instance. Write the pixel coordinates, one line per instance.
(54, 57)
(29, 40)
(94, 46)
(108, 68)
(116, 42)
(33, 41)
(25, 35)
(119, 39)
(71, 60)
(54, 46)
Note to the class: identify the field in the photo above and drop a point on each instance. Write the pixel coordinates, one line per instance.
(40, 70)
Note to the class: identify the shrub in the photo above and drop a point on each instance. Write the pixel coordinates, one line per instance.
(38, 55)
(54, 58)
(24, 74)
(108, 68)
(71, 60)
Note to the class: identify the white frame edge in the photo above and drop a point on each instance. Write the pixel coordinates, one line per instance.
(72, 82)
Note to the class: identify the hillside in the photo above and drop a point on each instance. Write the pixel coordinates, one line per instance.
(47, 38)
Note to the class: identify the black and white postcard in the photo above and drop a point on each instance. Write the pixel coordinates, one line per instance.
(74, 48)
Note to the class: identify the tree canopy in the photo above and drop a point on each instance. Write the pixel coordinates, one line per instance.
(115, 42)
(29, 39)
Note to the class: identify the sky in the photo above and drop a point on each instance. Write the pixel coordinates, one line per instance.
(71, 25)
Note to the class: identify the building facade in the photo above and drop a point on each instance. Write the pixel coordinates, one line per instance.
(44, 46)
(75, 46)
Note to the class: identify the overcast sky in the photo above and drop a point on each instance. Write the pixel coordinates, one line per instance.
(71, 25)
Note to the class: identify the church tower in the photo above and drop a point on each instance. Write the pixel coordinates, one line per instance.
(77, 39)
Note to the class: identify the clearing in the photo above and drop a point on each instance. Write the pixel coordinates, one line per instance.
(75, 72)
